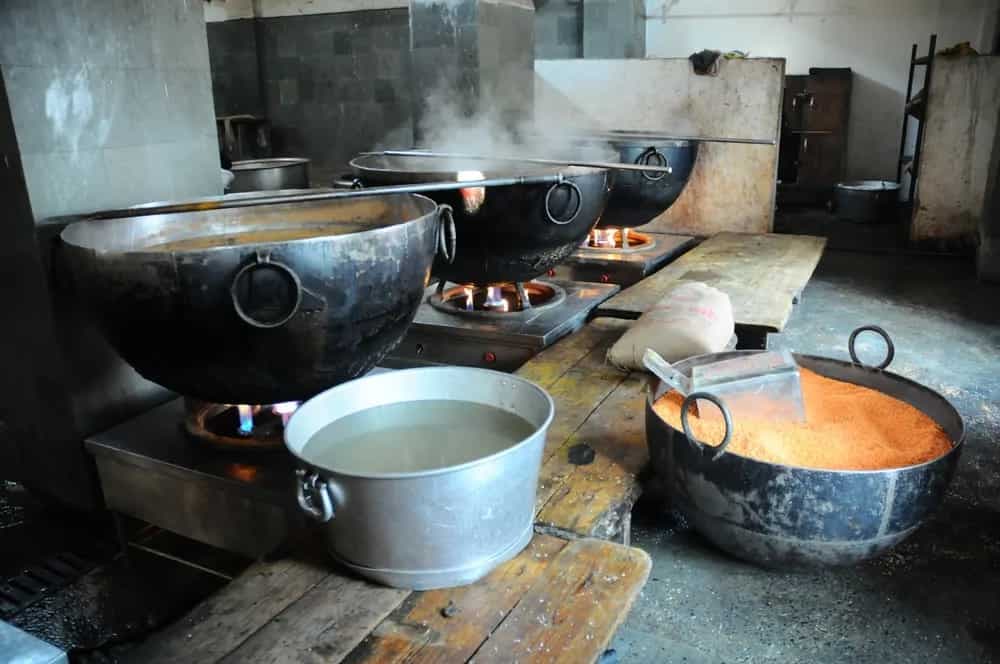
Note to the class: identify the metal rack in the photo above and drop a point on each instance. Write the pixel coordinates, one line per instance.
(915, 107)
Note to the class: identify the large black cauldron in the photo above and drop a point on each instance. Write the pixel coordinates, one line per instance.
(514, 233)
(638, 197)
(300, 296)
(778, 515)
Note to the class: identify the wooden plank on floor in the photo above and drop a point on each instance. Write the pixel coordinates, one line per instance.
(762, 274)
(226, 619)
(450, 625)
(323, 625)
(573, 609)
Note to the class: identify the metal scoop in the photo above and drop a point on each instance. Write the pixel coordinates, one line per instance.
(762, 385)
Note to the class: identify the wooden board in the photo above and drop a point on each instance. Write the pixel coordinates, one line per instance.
(557, 600)
(599, 406)
(762, 274)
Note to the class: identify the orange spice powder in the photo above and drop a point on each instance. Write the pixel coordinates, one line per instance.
(847, 427)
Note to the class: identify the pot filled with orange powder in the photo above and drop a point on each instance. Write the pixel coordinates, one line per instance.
(869, 464)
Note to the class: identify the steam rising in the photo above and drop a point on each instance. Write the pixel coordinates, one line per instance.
(448, 124)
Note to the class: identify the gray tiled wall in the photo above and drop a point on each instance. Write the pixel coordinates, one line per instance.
(111, 101)
(559, 30)
(476, 53)
(334, 85)
(232, 53)
(614, 29)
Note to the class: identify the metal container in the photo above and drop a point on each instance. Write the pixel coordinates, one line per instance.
(512, 233)
(777, 515)
(270, 174)
(637, 198)
(866, 201)
(266, 319)
(434, 528)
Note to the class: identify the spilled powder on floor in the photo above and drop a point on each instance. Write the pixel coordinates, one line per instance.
(847, 427)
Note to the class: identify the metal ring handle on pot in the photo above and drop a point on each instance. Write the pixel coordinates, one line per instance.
(264, 262)
(646, 157)
(314, 496)
(727, 417)
(574, 190)
(447, 236)
(890, 347)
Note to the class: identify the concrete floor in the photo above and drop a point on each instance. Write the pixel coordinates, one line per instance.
(936, 597)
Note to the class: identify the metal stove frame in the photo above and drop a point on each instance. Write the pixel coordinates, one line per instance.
(502, 342)
(624, 267)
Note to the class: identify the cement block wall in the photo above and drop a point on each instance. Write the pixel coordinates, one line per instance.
(107, 104)
(232, 53)
(335, 84)
(111, 101)
(559, 30)
(732, 186)
(331, 84)
(959, 132)
(872, 38)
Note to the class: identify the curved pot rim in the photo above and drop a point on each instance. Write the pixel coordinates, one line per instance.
(428, 205)
(524, 442)
(955, 447)
(358, 167)
(268, 163)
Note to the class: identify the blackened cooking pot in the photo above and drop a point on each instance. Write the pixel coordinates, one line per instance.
(638, 197)
(777, 515)
(513, 233)
(298, 296)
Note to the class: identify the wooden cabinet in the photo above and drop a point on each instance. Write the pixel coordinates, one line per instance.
(814, 119)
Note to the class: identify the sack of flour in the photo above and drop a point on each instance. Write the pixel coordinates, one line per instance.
(691, 319)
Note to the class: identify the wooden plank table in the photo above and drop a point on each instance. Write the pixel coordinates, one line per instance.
(599, 407)
(561, 599)
(556, 601)
(762, 274)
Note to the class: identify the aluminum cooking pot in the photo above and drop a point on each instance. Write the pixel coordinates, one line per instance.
(777, 515)
(270, 174)
(511, 233)
(297, 298)
(867, 201)
(433, 528)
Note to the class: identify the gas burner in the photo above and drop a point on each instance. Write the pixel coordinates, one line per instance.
(238, 427)
(443, 332)
(497, 300)
(618, 239)
(646, 253)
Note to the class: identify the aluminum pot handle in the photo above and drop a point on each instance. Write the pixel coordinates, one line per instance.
(447, 236)
(263, 262)
(574, 189)
(314, 495)
(646, 157)
(890, 352)
(718, 450)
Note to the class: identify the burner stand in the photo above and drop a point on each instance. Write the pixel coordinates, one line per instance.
(529, 298)
(501, 341)
(216, 424)
(623, 266)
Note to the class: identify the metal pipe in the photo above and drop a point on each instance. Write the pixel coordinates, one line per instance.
(612, 134)
(416, 188)
(610, 165)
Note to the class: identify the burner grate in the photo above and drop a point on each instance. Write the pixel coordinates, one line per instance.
(58, 571)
